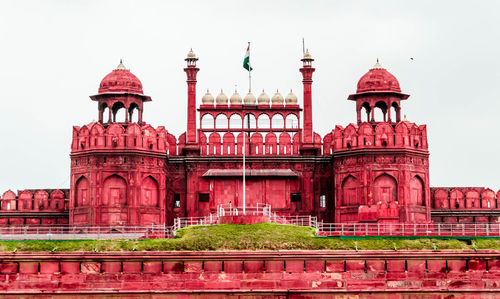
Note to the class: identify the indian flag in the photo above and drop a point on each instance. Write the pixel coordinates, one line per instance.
(246, 60)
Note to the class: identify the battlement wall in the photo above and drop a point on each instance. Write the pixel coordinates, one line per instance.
(464, 198)
(96, 136)
(318, 272)
(379, 135)
(35, 200)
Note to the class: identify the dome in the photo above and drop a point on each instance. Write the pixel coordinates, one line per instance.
(120, 80)
(378, 79)
(249, 99)
(221, 98)
(235, 98)
(307, 55)
(277, 99)
(207, 99)
(291, 99)
(263, 99)
(191, 54)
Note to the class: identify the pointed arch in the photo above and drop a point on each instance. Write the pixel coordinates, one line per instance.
(417, 191)
(385, 189)
(82, 192)
(350, 191)
(150, 192)
(114, 191)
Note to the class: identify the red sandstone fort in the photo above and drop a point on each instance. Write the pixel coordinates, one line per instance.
(126, 172)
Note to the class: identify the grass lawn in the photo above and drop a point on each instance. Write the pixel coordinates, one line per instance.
(262, 236)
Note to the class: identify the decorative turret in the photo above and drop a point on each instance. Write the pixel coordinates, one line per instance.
(120, 89)
(378, 89)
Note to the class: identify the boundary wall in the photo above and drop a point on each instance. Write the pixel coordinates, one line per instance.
(260, 272)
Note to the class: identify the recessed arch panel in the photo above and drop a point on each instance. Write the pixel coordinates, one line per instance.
(385, 189)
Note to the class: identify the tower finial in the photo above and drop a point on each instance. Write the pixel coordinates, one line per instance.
(377, 65)
(121, 66)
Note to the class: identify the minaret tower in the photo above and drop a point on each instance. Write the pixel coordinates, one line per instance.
(307, 71)
(191, 71)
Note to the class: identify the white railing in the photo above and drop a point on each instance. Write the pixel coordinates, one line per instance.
(64, 232)
(295, 220)
(230, 210)
(410, 229)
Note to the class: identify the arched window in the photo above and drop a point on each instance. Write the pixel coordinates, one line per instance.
(119, 112)
(263, 122)
(105, 113)
(366, 110)
(380, 111)
(249, 122)
(292, 121)
(133, 113)
(235, 121)
(278, 121)
(385, 189)
(207, 121)
(394, 112)
(221, 121)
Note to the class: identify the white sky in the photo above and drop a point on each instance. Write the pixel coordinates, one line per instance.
(53, 55)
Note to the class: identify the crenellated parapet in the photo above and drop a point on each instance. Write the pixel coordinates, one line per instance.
(46, 200)
(382, 135)
(120, 136)
(464, 198)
